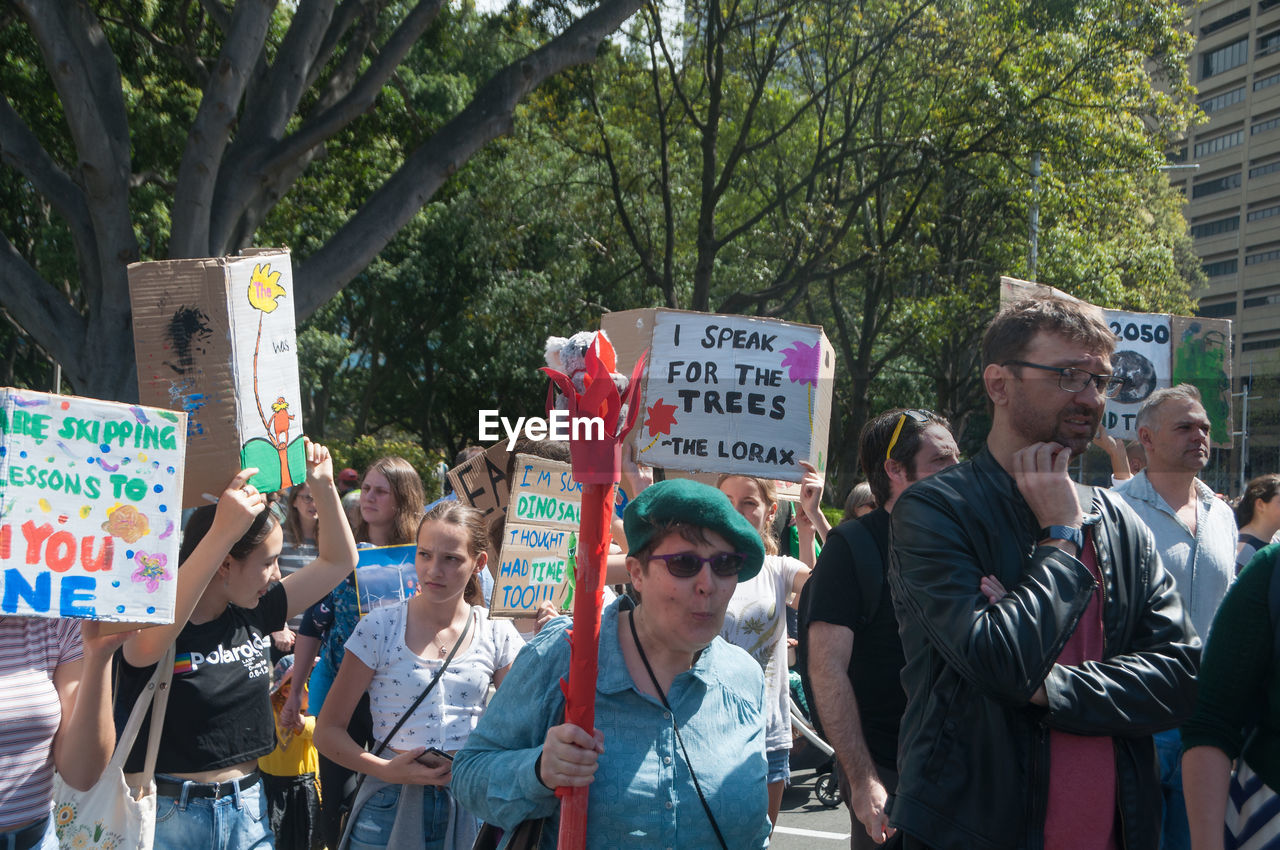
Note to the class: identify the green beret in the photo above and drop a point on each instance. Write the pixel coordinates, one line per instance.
(686, 501)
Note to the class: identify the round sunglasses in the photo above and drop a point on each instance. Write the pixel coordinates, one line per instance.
(688, 565)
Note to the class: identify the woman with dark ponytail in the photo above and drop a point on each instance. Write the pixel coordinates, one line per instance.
(1257, 517)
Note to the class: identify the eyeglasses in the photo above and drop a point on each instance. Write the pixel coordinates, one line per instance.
(920, 416)
(1074, 380)
(688, 565)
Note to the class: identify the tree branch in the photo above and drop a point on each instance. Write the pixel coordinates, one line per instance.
(488, 116)
(209, 134)
(87, 79)
(20, 148)
(39, 309)
(268, 166)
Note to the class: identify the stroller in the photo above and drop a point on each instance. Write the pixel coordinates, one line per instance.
(808, 750)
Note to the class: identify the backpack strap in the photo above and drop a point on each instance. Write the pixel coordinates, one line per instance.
(868, 571)
(868, 568)
(1273, 601)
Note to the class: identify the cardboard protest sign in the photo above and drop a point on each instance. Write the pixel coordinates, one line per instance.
(90, 505)
(215, 338)
(482, 481)
(1144, 358)
(735, 394)
(539, 541)
(385, 576)
(1202, 356)
(1153, 351)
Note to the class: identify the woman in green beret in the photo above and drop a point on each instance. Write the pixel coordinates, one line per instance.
(678, 755)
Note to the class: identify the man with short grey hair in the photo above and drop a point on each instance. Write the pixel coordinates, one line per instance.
(1195, 533)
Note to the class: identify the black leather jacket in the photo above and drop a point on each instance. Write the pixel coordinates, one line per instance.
(973, 754)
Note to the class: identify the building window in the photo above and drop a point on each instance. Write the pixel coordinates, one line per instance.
(1268, 80)
(1220, 143)
(1220, 268)
(1268, 44)
(1265, 126)
(1264, 5)
(1265, 212)
(1262, 257)
(1213, 187)
(1263, 170)
(1217, 311)
(1224, 58)
(1222, 101)
(1223, 23)
(1213, 228)
(1260, 344)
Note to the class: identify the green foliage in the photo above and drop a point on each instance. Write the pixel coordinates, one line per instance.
(364, 450)
(865, 166)
(833, 514)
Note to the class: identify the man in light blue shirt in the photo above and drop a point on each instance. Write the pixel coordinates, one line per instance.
(1195, 533)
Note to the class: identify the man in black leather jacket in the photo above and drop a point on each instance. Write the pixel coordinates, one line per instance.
(1030, 712)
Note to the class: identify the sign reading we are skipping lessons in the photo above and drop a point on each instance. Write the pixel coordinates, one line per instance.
(735, 394)
(539, 540)
(90, 504)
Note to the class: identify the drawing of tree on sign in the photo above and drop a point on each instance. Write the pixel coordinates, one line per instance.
(264, 295)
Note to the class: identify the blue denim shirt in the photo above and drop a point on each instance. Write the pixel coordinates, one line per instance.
(642, 795)
(1203, 565)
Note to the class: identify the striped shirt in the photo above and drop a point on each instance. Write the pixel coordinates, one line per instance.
(30, 650)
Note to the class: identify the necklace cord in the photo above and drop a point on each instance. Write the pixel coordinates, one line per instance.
(631, 621)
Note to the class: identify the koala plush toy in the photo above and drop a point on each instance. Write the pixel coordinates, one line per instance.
(568, 355)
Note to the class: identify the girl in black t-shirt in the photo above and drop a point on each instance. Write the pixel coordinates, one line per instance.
(229, 599)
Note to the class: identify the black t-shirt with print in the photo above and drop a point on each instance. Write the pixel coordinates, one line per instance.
(219, 710)
(875, 666)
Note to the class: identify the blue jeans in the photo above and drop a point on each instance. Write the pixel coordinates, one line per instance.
(779, 766)
(49, 842)
(373, 824)
(1174, 832)
(237, 822)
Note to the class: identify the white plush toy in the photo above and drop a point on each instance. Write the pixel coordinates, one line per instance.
(569, 356)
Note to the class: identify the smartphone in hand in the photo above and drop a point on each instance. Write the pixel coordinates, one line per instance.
(434, 758)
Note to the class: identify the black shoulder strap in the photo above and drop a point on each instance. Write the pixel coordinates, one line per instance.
(868, 568)
(1273, 602)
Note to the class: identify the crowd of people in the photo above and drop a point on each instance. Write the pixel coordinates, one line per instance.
(999, 656)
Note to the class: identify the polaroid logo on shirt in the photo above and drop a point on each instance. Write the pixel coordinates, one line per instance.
(247, 651)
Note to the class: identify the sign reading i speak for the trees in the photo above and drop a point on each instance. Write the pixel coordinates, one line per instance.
(90, 507)
(726, 393)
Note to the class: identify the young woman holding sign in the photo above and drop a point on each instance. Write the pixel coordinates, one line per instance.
(757, 619)
(219, 719)
(395, 653)
(391, 503)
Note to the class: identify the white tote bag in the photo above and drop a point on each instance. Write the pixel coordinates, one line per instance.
(109, 814)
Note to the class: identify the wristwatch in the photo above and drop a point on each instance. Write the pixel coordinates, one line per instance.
(1064, 532)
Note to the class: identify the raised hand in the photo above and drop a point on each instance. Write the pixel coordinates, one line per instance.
(319, 464)
(239, 505)
(1040, 471)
